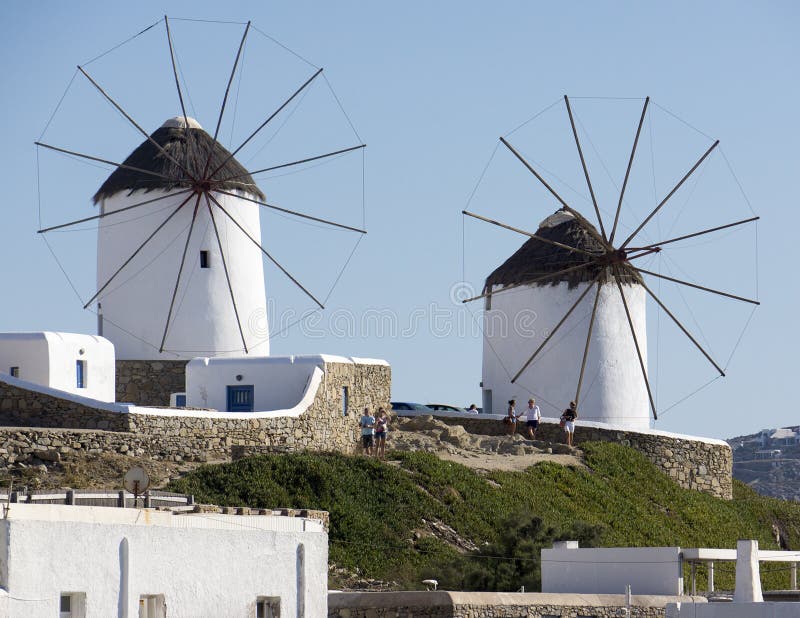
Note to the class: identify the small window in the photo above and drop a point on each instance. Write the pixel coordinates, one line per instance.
(268, 607)
(345, 400)
(204, 259)
(180, 401)
(152, 606)
(80, 373)
(72, 605)
(14, 372)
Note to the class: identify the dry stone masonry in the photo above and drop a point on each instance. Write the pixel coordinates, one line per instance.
(441, 604)
(692, 463)
(149, 383)
(184, 434)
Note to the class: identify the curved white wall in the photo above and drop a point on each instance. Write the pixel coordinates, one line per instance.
(136, 304)
(613, 387)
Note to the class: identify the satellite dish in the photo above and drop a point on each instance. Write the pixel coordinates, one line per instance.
(136, 480)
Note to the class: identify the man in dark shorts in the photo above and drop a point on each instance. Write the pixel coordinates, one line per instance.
(534, 415)
(367, 424)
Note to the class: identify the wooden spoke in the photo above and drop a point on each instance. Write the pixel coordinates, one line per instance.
(555, 330)
(669, 195)
(586, 348)
(513, 286)
(585, 170)
(291, 212)
(180, 272)
(135, 253)
(567, 207)
(685, 332)
(113, 212)
(175, 73)
(266, 122)
(638, 350)
(99, 160)
(698, 287)
(225, 99)
(283, 165)
(708, 231)
(135, 124)
(628, 170)
(524, 233)
(227, 275)
(265, 252)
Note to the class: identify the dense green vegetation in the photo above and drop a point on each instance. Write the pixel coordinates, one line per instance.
(380, 512)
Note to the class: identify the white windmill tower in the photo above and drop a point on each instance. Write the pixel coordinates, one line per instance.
(581, 294)
(199, 290)
(179, 256)
(542, 282)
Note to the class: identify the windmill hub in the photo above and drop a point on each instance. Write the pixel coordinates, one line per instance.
(614, 256)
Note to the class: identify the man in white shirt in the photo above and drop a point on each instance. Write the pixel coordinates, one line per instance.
(367, 424)
(534, 415)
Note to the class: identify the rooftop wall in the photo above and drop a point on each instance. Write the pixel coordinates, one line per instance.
(442, 604)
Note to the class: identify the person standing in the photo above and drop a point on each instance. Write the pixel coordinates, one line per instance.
(568, 421)
(381, 428)
(511, 417)
(367, 424)
(534, 415)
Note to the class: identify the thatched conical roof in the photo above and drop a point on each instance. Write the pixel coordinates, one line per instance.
(190, 145)
(535, 259)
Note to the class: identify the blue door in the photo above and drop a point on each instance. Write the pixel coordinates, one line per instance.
(240, 398)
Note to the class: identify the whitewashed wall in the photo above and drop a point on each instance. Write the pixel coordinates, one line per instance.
(608, 570)
(136, 304)
(613, 387)
(279, 382)
(49, 359)
(205, 567)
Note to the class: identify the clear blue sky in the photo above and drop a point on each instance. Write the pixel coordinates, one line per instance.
(430, 87)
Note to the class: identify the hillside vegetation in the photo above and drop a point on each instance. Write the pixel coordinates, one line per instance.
(419, 516)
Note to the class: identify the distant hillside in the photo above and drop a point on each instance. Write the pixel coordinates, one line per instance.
(769, 462)
(419, 516)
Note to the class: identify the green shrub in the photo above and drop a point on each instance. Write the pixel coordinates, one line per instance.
(381, 514)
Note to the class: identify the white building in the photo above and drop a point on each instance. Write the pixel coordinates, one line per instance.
(136, 304)
(748, 598)
(81, 562)
(608, 570)
(285, 384)
(78, 364)
(518, 320)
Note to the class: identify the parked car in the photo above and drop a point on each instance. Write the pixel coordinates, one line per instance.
(441, 407)
(406, 406)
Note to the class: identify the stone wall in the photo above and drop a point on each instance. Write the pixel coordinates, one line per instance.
(184, 435)
(150, 383)
(20, 407)
(692, 463)
(442, 604)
